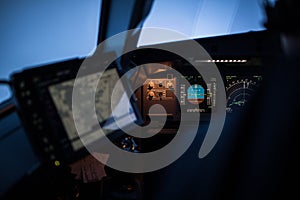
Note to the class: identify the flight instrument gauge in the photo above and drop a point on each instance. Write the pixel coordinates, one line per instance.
(239, 91)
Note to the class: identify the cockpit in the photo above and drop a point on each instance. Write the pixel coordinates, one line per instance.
(145, 99)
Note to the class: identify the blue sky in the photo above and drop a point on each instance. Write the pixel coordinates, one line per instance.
(205, 18)
(34, 32)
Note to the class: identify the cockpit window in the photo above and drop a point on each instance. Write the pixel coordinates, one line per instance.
(204, 18)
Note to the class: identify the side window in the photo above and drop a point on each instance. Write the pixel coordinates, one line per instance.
(38, 32)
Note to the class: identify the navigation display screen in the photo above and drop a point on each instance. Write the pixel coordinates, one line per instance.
(61, 94)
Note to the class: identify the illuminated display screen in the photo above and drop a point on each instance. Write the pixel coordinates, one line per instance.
(61, 94)
(199, 96)
(195, 94)
(240, 89)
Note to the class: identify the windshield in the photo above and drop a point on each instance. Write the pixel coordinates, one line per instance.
(204, 18)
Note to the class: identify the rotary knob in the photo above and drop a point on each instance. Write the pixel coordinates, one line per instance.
(151, 95)
(151, 85)
(170, 84)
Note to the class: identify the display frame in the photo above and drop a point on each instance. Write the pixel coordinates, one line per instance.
(39, 115)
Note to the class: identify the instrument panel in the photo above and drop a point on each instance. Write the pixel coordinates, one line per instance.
(241, 78)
